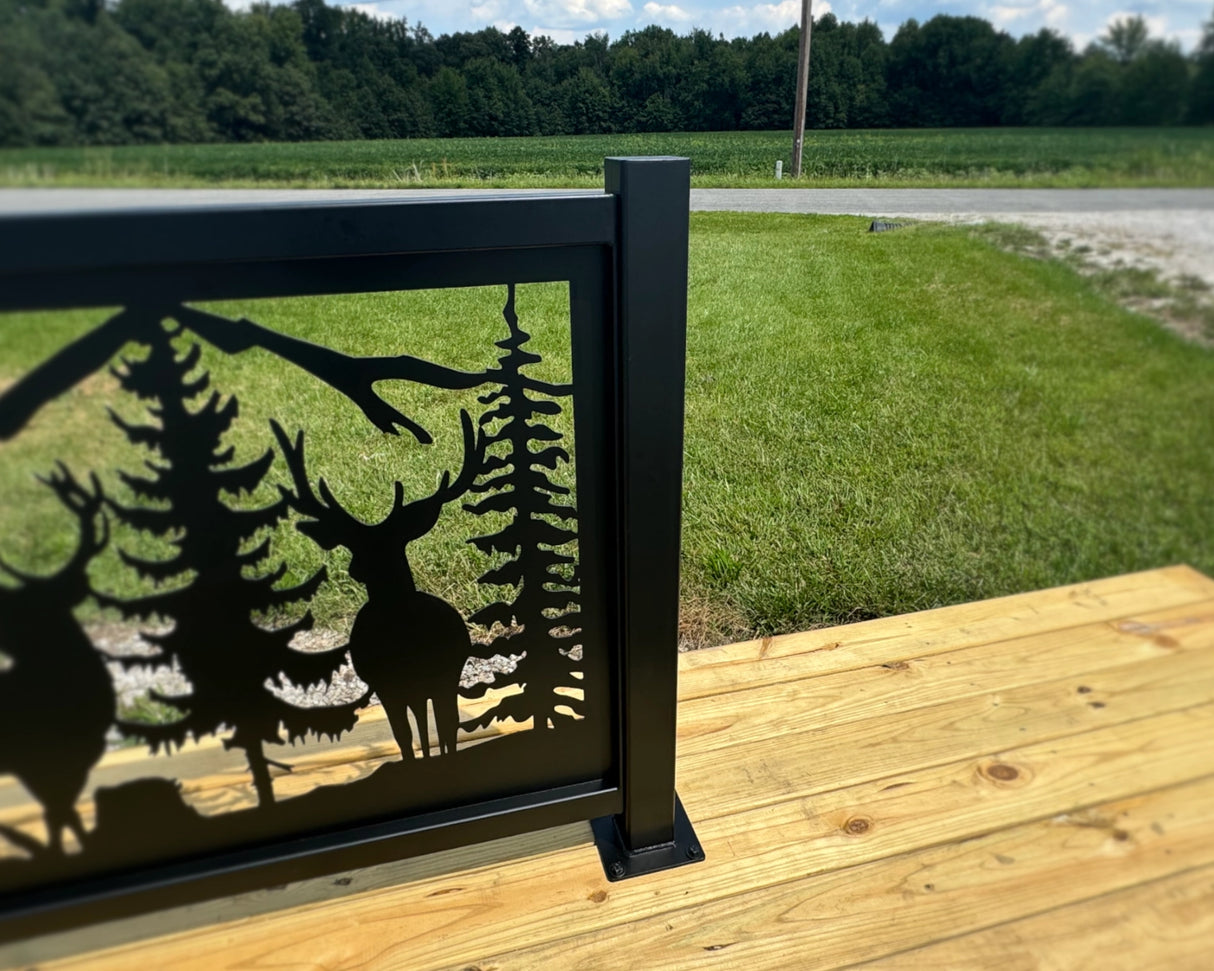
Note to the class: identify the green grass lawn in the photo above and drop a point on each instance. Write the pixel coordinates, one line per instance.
(951, 157)
(876, 423)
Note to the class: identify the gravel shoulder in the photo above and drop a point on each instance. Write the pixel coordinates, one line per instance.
(1175, 244)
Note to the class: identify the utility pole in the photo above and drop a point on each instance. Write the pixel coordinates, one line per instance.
(798, 124)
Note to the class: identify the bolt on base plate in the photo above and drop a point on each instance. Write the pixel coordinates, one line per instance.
(620, 863)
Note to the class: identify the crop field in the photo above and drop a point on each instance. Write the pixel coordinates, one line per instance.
(875, 424)
(952, 157)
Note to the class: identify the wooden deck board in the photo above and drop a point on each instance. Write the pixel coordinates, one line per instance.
(935, 788)
(837, 918)
(1166, 924)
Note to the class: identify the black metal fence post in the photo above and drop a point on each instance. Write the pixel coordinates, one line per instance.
(652, 832)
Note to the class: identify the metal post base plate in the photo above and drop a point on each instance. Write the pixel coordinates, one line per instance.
(621, 863)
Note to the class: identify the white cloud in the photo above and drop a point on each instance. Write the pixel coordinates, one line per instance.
(1188, 38)
(560, 35)
(372, 10)
(569, 13)
(770, 17)
(667, 12)
(1176, 20)
(488, 11)
(1050, 12)
(567, 21)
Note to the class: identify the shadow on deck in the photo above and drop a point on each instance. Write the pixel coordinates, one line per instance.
(1025, 782)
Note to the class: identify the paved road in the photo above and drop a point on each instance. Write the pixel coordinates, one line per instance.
(1167, 230)
(864, 202)
(897, 202)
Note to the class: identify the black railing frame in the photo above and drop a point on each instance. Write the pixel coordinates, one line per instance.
(625, 255)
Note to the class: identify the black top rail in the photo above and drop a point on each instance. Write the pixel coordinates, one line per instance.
(586, 729)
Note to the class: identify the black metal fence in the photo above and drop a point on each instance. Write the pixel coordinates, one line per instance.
(581, 728)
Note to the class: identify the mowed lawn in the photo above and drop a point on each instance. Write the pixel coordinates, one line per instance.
(876, 423)
(880, 423)
(952, 157)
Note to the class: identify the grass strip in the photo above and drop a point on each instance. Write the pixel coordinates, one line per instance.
(876, 423)
(1008, 157)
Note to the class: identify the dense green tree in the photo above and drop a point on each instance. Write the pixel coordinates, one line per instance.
(586, 103)
(708, 96)
(827, 100)
(98, 72)
(645, 76)
(949, 71)
(863, 74)
(1094, 92)
(1125, 39)
(448, 96)
(497, 102)
(30, 110)
(1155, 86)
(1201, 92)
(771, 68)
(110, 86)
(1036, 60)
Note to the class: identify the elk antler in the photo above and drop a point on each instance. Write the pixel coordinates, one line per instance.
(85, 506)
(331, 524)
(474, 443)
(418, 517)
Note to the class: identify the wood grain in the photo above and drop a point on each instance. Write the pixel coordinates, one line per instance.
(891, 687)
(872, 642)
(787, 765)
(1026, 757)
(1166, 924)
(765, 847)
(840, 918)
(771, 762)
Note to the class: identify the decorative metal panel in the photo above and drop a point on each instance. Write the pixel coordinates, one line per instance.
(386, 722)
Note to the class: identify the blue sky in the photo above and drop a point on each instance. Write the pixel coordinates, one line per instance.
(569, 20)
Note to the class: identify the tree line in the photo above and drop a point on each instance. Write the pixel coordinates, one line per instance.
(91, 72)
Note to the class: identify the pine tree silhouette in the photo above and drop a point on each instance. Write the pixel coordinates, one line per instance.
(545, 580)
(226, 656)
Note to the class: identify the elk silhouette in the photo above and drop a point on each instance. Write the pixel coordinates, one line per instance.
(53, 661)
(409, 646)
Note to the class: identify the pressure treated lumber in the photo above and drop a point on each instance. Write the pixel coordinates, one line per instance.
(781, 766)
(744, 714)
(938, 664)
(960, 755)
(764, 768)
(216, 780)
(934, 631)
(835, 919)
(1166, 923)
(770, 846)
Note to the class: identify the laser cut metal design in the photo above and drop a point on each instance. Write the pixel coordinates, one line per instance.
(585, 593)
(42, 640)
(408, 646)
